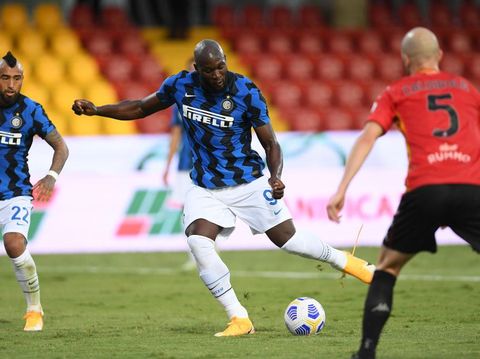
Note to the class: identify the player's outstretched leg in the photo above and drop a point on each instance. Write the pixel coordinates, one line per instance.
(216, 276)
(26, 274)
(309, 247)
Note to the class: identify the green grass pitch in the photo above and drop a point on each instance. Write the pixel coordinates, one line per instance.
(141, 306)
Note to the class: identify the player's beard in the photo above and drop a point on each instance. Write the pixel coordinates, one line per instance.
(8, 100)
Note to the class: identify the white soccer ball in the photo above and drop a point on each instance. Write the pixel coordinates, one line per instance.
(305, 316)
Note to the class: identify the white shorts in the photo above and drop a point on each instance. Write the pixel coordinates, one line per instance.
(15, 215)
(252, 203)
(179, 190)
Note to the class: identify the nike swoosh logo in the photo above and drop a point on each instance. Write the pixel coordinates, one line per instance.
(188, 95)
(277, 212)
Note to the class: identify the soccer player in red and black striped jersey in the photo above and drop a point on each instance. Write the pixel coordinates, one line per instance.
(439, 115)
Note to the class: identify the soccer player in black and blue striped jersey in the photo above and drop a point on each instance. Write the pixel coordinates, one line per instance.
(20, 120)
(219, 109)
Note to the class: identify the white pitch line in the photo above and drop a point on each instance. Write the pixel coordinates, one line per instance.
(250, 274)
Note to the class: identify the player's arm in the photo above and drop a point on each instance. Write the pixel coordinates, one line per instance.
(42, 190)
(274, 157)
(124, 110)
(175, 135)
(355, 160)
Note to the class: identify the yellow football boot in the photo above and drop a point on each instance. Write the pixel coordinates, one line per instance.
(237, 326)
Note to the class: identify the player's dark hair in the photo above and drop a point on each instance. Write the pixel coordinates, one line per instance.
(10, 59)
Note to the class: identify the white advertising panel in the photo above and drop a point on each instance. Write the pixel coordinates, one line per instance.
(110, 197)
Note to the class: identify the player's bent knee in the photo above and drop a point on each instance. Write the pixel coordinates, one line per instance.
(15, 244)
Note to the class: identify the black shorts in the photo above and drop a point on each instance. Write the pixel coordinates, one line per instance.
(422, 211)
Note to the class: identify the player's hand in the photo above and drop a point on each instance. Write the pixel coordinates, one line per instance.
(335, 205)
(277, 187)
(84, 107)
(43, 189)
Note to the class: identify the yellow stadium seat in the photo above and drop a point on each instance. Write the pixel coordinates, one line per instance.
(59, 120)
(85, 125)
(14, 17)
(83, 70)
(65, 44)
(62, 97)
(101, 92)
(49, 70)
(31, 44)
(6, 43)
(47, 17)
(113, 127)
(35, 91)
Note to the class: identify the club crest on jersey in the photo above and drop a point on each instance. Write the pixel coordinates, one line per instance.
(16, 121)
(9, 138)
(227, 104)
(207, 117)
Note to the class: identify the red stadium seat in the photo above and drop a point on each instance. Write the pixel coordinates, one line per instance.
(131, 45)
(380, 15)
(148, 71)
(338, 120)
(307, 120)
(310, 17)
(390, 67)
(474, 68)
(251, 16)
(360, 117)
(158, 122)
(118, 69)
(349, 94)
(370, 43)
(469, 16)
(82, 16)
(223, 15)
(114, 17)
(281, 17)
(453, 64)
(440, 15)
(374, 89)
(279, 44)
(99, 45)
(393, 41)
(340, 43)
(409, 15)
(459, 42)
(248, 43)
(286, 94)
(299, 68)
(268, 68)
(330, 68)
(318, 95)
(360, 68)
(310, 44)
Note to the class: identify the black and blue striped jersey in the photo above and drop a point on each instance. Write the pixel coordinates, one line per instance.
(19, 123)
(219, 127)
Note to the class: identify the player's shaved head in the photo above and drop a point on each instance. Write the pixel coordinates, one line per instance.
(207, 50)
(420, 49)
(211, 64)
(420, 42)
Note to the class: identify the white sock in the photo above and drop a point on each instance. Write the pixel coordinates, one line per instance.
(215, 274)
(26, 273)
(308, 246)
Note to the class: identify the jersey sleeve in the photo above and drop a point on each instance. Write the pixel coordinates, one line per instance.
(41, 123)
(257, 108)
(383, 111)
(166, 92)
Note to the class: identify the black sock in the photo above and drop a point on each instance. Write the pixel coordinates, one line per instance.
(378, 306)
